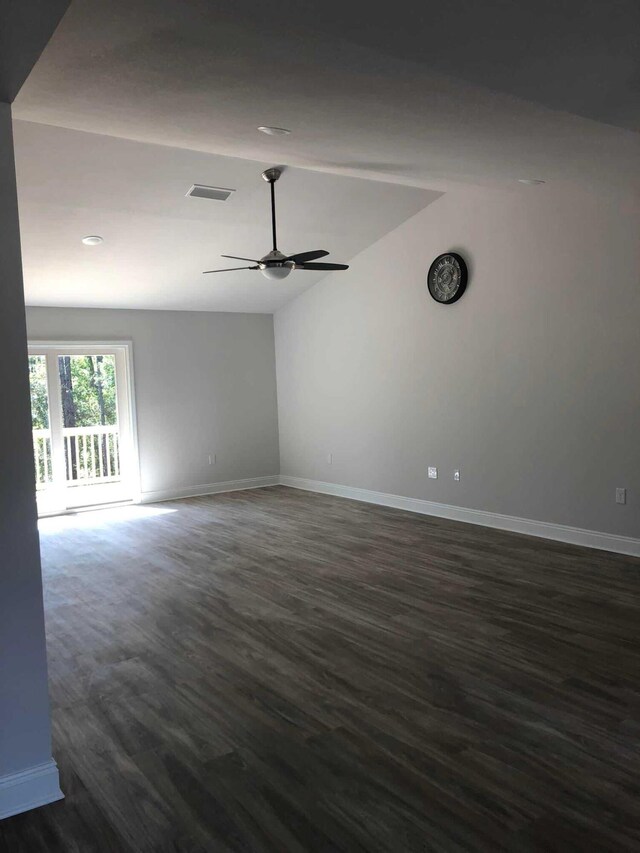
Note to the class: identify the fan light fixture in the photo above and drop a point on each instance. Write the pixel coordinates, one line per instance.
(279, 266)
(276, 273)
(275, 265)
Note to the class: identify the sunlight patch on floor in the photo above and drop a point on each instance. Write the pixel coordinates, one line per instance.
(99, 518)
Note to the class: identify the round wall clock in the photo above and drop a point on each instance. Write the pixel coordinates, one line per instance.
(447, 278)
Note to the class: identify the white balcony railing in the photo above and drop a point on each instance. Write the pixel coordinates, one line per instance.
(42, 457)
(91, 455)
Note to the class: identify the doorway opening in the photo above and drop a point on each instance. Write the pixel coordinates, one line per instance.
(83, 423)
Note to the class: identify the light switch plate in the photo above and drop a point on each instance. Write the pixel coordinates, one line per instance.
(621, 496)
(433, 473)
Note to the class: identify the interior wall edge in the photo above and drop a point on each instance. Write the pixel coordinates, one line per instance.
(25, 728)
(28, 789)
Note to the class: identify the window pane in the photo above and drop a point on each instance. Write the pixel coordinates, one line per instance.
(88, 386)
(89, 418)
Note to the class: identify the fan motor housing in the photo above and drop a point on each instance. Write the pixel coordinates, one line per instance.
(275, 258)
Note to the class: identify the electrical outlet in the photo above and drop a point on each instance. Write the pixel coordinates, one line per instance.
(329, 458)
(433, 473)
(212, 459)
(621, 496)
(456, 475)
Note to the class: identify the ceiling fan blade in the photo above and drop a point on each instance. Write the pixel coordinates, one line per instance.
(322, 266)
(231, 269)
(303, 257)
(236, 258)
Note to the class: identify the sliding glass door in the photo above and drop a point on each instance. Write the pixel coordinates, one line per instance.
(83, 437)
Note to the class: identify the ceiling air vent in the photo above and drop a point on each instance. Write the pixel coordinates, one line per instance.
(214, 193)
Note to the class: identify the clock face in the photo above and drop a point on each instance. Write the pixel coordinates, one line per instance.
(447, 278)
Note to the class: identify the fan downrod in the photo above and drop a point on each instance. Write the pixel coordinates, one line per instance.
(275, 264)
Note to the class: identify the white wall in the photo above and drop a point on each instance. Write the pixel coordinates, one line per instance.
(530, 384)
(24, 706)
(204, 384)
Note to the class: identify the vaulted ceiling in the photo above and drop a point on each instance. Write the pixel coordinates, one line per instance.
(437, 96)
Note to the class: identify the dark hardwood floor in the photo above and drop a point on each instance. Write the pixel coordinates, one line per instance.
(281, 671)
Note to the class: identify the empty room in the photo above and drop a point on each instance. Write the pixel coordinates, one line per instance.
(320, 337)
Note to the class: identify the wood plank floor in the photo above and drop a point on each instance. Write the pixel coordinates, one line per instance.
(281, 671)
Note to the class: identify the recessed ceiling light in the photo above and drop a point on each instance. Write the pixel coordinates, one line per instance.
(274, 131)
(92, 240)
(529, 182)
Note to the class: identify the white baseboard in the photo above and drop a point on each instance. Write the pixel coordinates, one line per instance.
(209, 489)
(543, 529)
(29, 789)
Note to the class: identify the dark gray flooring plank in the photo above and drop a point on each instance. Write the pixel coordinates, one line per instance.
(280, 671)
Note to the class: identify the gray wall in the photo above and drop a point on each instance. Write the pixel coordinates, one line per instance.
(204, 384)
(530, 384)
(24, 704)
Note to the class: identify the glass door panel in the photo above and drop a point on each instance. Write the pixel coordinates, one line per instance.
(82, 426)
(41, 427)
(90, 425)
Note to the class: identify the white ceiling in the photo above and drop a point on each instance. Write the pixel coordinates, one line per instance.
(425, 94)
(158, 242)
(364, 86)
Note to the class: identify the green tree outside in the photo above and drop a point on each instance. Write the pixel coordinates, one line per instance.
(88, 385)
(88, 392)
(39, 396)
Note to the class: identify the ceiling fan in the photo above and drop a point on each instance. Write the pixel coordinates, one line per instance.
(276, 265)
